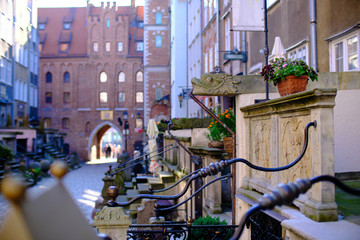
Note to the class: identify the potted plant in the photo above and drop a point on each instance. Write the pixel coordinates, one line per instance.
(219, 133)
(290, 76)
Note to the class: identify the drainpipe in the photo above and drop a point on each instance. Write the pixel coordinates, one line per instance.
(243, 48)
(187, 57)
(217, 49)
(313, 35)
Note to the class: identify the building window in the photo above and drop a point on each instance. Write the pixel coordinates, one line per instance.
(47, 122)
(158, 41)
(64, 47)
(66, 97)
(299, 53)
(67, 26)
(103, 97)
(227, 34)
(139, 97)
(345, 53)
(158, 93)
(66, 77)
(139, 76)
(95, 46)
(48, 77)
(48, 97)
(103, 77)
(107, 23)
(139, 46)
(158, 18)
(139, 123)
(121, 77)
(107, 46)
(41, 26)
(65, 123)
(121, 97)
(41, 47)
(120, 46)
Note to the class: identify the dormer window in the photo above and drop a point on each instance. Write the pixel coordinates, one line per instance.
(42, 26)
(66, 25)
(67, 22)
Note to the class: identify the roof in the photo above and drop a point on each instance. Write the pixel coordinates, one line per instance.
(54, 33)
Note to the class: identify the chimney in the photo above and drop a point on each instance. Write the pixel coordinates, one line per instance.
(102, 4)
(133, 3)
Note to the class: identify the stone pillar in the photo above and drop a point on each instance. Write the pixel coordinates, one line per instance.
(273, 135)
(113, 222)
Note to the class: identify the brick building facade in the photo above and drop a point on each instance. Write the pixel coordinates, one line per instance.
(91, 73)
(156, 60)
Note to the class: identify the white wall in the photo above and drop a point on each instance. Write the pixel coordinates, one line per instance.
(178, 56)
(347, 131)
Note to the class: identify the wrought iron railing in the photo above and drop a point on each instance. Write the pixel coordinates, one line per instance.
(285, 194)
(185, 230)
(215, 168)
(145, 158)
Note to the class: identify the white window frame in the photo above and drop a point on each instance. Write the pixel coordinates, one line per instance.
(344, 39)
(298, 53)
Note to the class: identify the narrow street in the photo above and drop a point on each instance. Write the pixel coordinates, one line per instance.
(83, 184)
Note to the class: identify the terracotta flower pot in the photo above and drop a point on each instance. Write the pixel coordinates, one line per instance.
(216, 144)
(228, 144)
(292, 84)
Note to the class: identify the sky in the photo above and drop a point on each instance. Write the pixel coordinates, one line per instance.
(80, 3)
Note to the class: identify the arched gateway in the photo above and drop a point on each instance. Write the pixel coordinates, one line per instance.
(94, 147)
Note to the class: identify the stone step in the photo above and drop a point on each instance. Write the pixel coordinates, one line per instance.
(143, 188)
(129, 185)
(156, 183)
(166, 176)
(132, 193)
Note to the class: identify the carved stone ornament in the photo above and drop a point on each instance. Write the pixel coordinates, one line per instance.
(219, 84)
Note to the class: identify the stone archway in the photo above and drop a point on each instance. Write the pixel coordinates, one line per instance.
(94, 148)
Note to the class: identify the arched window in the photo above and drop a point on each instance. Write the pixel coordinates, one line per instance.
(121, 77)
(139, 76)
(103, 77)
(48, 77)
(66, 77)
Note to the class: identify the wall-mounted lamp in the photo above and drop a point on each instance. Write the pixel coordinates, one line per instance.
(125, 115)
(180, 97)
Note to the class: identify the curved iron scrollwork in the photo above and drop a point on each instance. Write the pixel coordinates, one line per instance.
(215, 168)
(285, 194)
(178, 231)
(155, 231)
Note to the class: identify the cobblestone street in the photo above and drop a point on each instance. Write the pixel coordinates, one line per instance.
(83, 184)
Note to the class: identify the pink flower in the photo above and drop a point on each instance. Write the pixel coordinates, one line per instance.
(284, 65)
